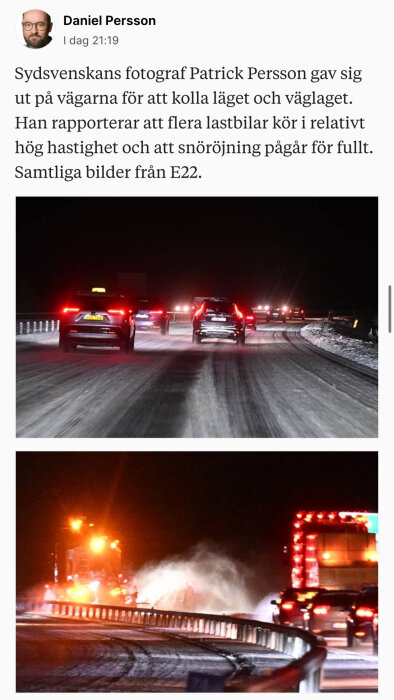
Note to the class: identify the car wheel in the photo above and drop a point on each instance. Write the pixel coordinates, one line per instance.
(196, 338)
(241, 339)
(163, 329)
(131, 341)
(350, 639)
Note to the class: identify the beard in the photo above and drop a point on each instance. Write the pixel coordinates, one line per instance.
(36, 42)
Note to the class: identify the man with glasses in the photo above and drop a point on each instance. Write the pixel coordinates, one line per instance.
(36, 26)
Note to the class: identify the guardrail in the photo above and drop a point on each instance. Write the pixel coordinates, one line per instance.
(302, 675)
(34, 323)
(26, 327)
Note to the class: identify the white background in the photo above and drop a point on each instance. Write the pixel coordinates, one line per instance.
(276, 34)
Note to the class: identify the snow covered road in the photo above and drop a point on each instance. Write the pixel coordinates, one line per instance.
(277, 385)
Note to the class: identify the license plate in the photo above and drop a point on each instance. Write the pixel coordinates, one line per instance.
(93, 317)
(340, 625)
(275, 313)
(142, 315)
(218, 318)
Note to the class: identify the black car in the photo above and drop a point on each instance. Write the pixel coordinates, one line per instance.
(297, 312)
(290, 605)
(360, 621)
(328, 611)
(151, 314)
(279, 313)
(219, 319)
(250, 319)
(97, 318)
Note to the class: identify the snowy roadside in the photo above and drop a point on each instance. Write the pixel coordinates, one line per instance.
(49, 338)
(325, 336)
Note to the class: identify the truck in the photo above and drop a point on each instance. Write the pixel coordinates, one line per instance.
(334, 549)
(87, 566)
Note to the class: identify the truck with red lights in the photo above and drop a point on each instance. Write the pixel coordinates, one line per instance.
(334, 549)
(87, 566)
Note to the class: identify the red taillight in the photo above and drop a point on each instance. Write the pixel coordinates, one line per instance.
(238, 312)
(321, 609)
(159, 311)
(364, 612)
(116, 312)
(70, 310)
(302, 311)
(288, 605)
(200, 310)
(360, 634)
(250, 318)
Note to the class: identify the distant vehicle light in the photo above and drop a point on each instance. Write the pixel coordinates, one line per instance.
(326, 555)
(100, 290)
(321, 609)
(371, 555)
(364, 612)
(76, 523)
(284, 308)
(70, 309)
(158, 311)
(266, 307)
(116, 312)
(177, 308)
(97, 544)
(288, 605)
(186, 308)
(260, 307)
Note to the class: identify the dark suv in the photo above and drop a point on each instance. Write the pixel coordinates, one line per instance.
(279, 313)
(219, 319)
(96, 317)
(329, 610)
(297, 312)
(151, 314)
(290, 605)
(360, 621)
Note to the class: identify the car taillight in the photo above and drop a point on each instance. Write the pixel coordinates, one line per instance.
(250, 318)
(238, 312)
(302, 311)
(159, 311)
(364, 612)
(288, 605)
(70, 310)
(116, 312)
(200, 310)
(321, 609)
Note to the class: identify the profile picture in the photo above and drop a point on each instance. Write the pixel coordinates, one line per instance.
(36, 27)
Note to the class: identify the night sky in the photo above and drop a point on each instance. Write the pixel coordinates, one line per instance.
(318, 252)
(161, 504)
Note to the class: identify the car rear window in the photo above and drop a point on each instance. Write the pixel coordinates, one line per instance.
(98, 302)
(149, 303)
(335, 599)
(223, 307)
